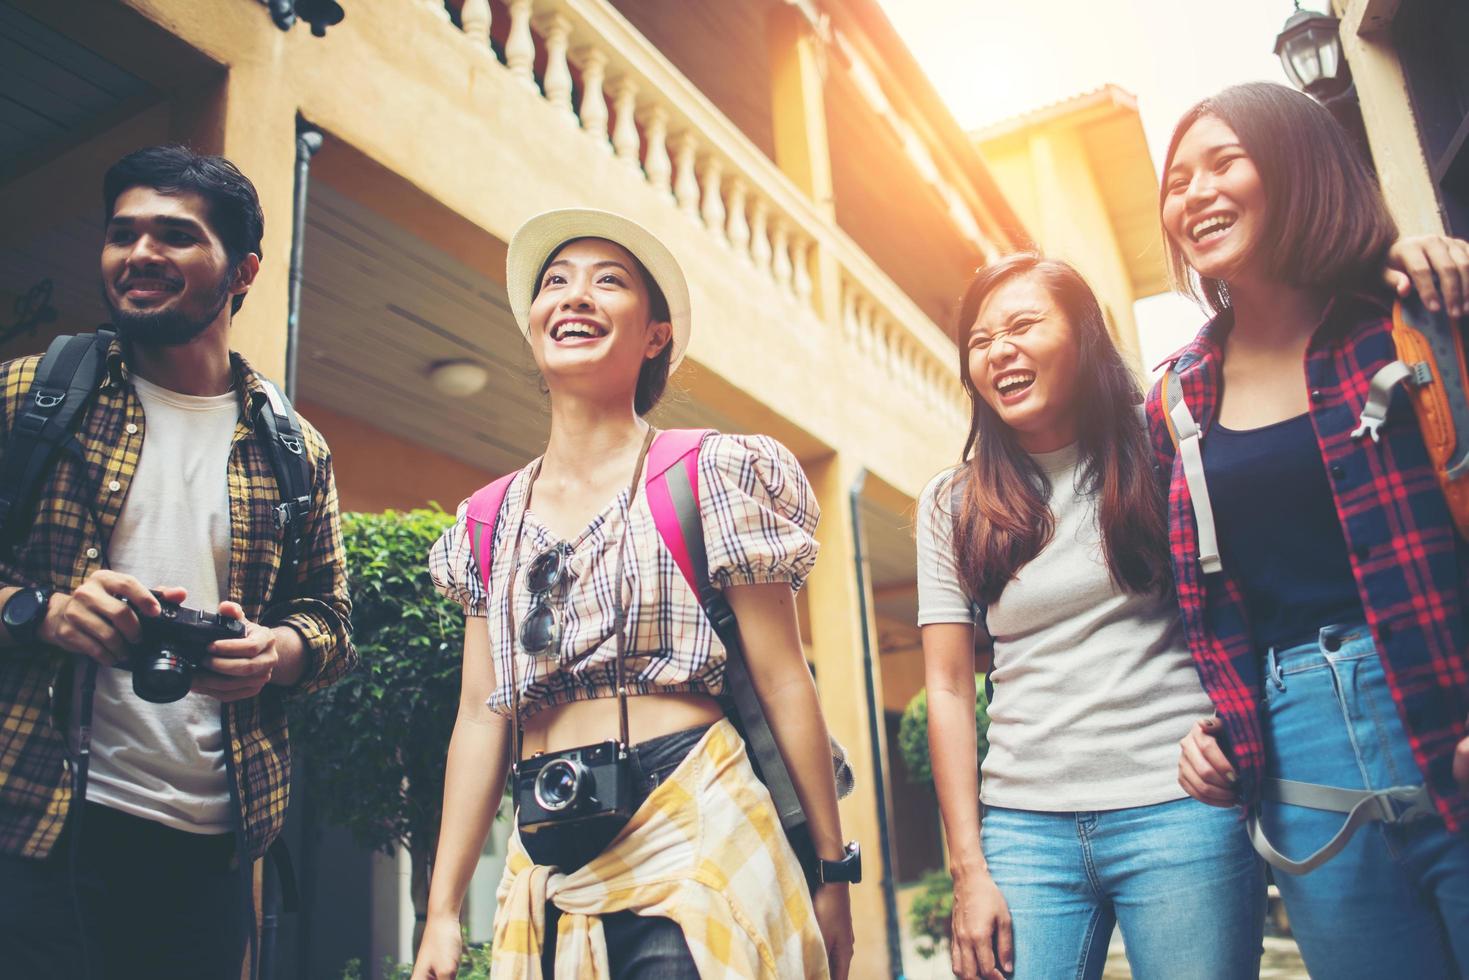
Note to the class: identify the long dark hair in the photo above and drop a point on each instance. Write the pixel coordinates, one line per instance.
(1004, 518)
(1327, 225)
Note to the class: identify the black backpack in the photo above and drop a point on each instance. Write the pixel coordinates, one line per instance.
(50, 414)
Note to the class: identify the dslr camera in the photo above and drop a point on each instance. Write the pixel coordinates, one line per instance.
(589, 784)
(174, 644)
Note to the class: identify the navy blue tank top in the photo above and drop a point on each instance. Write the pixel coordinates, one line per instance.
(1279, 536)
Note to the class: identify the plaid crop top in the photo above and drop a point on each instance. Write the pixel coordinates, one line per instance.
(759, 520)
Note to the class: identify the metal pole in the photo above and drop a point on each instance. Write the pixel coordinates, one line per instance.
(308, 141)
(874, 732)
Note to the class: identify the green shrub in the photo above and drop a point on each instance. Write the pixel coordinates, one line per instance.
(913, 732)
(376, 742)
(931, 912)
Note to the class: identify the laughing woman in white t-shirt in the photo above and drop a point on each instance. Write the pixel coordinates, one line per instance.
(1048, 546)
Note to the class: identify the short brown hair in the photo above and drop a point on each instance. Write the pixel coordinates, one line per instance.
(1326, 223)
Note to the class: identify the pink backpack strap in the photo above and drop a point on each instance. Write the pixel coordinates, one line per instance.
(674, 447)
(481, 517)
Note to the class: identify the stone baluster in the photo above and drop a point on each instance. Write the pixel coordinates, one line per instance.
(711, 206)
(593, 64)
(849, 311)
(865, 325)
(685, 182)
(760, 235)
(801, 259)
(520, 47)
(625, 144)
(557, 79)
(780, 265)
(474, 17)
(738, 230)
(656, 164)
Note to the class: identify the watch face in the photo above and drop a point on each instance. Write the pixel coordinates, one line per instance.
(22, 607)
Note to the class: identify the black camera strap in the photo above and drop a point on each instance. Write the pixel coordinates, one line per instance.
(619, 616)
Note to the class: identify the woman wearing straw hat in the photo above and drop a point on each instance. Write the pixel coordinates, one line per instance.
(571, 599)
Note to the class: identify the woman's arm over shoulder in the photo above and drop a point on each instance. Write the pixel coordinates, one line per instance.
(759, 511)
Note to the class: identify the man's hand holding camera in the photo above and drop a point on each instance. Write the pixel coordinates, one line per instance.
(241, 668)
(101, 620)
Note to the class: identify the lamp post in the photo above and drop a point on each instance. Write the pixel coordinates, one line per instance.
(1310, 51)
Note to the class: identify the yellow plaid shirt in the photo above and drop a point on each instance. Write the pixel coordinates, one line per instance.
(706, 850)
(78, 507)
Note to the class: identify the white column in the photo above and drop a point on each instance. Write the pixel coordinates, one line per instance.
(474, 17)
(685, 182)
(625, 141)
(712, 206)
(557, 80)
(781, 254)
(656, 164)
(738, 229)
(801, 260)
(520, 47)
(759, 235)
(593, 103)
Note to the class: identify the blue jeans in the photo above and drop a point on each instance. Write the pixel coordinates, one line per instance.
(1395, 901)
(1180, 878)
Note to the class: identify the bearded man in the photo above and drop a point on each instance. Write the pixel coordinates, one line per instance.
(128, 828)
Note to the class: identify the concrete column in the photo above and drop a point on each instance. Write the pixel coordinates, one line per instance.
(250, 118)
(798, 120)
(836, 652)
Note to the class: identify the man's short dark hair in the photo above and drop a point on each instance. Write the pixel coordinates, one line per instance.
(234, 207)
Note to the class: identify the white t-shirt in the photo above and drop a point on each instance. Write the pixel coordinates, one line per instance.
(1094, 686)
(166, 762)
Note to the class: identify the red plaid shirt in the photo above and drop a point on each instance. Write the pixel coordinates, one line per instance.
(1412, 569)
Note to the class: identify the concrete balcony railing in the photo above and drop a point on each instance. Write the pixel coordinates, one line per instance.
(637, 107)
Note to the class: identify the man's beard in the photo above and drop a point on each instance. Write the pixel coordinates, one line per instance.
(166, 328)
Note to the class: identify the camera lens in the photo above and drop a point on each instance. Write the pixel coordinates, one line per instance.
(163, 677)
(560, 784)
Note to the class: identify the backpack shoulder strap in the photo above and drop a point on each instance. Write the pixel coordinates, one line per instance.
(673, 496)
(65, 381)
(672, 488)
(1172, 395)
(1187, 438)
(285, 445)
(481, 516)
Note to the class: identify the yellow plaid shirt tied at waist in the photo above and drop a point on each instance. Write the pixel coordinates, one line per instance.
(706, 850)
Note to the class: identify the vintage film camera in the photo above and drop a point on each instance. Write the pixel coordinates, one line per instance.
(590, 784)
(174, 643)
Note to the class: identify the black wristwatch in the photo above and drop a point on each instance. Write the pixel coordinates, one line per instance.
(847, 871)
(24, 612)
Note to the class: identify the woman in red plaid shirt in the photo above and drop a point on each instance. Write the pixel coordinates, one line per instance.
(1329, 626)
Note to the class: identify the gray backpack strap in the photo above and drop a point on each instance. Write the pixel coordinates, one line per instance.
(1187, 440)
(1361, 807)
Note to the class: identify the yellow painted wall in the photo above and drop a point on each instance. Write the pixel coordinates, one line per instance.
(376, 471)
(1048, 177)
(1387, 113)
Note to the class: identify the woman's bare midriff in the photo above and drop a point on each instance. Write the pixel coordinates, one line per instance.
(567, 726)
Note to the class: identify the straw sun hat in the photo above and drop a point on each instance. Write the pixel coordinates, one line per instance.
(543, 234)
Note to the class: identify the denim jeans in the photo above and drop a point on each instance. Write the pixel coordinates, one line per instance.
(145, 901)
(638, 947)
(1180, 878)
(1395, 901)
